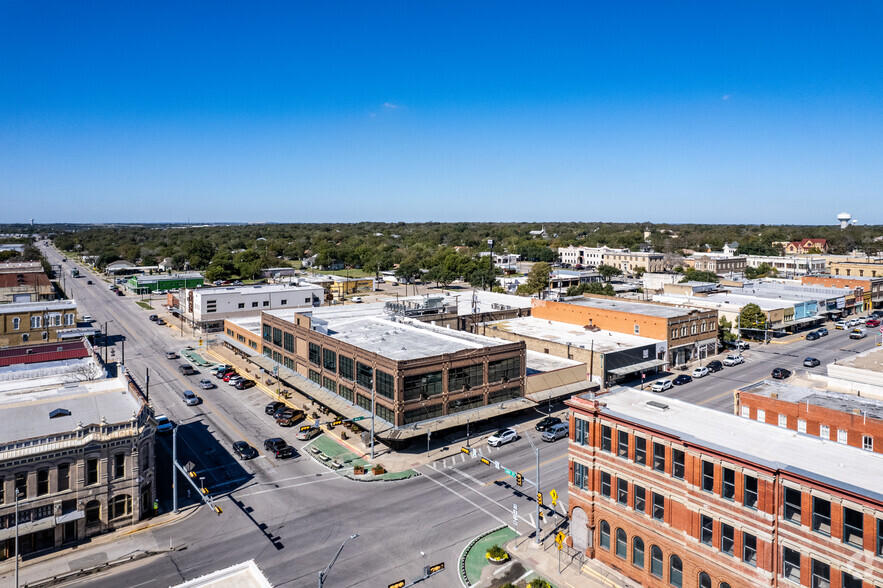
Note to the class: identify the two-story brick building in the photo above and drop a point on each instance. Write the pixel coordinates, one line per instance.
(674, 494)
(34, 322)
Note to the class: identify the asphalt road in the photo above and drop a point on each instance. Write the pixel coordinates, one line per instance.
(291, 516)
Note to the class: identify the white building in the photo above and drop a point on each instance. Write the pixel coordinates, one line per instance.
(588, 256)
(796, 265)
(206, 308)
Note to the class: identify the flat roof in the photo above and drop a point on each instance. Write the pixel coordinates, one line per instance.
(24, 414)
(768, 445)
(566, 333)
(620, 305)
(243, 575)
(485, 301)
(539, 363)
(821, 396)
(871, 360)
(726, 301)
(209, 290)
(48, 305)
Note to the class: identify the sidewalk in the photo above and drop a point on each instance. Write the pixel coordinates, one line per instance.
(127, 544)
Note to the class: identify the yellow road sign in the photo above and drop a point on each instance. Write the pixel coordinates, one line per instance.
(554, 495)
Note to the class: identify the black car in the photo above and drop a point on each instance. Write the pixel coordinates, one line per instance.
(813, 336)
(273, 407)
(278, 447)
(546, 423)
(714, 366)
(244, 450)
(243, 384)
(682, 379)
(811, 362)
(781, 373)
(152, 317)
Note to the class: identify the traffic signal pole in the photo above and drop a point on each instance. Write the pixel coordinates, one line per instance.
(536, 450)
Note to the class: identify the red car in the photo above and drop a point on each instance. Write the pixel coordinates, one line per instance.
(229, 375)
(872, 323)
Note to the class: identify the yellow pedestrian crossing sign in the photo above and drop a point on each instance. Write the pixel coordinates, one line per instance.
(559, 539)
(554, 495)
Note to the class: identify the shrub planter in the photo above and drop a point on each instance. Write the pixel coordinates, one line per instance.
(378, 470)
(358, 470)
(496, 555)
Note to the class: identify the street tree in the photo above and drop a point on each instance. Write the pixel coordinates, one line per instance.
(608, 272)
(537, 279)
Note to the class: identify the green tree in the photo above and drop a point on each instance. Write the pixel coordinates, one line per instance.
(762, 271)
(724, 331)
(639, 271)
(608, 272)
(408, 270)
(250, 263)
(691, 275)
(752, 318)
(537, 279)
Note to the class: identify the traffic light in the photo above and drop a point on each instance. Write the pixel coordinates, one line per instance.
(485, 461)
(398, 584)
(218, 510)
(519, 478)
(205, 491)
(540, 498)
(192, 474)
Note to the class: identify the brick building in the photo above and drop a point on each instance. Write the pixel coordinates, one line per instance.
(674, 494)
(36, 322)
(24, 282)
(872, 268)
(802, 406)
(869, 288)
(688, 332)
(717, 264)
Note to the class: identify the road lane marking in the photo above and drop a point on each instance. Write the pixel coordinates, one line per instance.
(533, 467)
(238, 496)
(468, 487)
(478, 506)
(713, 398)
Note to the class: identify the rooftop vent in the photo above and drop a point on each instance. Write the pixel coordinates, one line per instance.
(59, 412)
(657, 405)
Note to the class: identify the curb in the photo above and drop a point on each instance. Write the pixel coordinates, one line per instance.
(462, 563)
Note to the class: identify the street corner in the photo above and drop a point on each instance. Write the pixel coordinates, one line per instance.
(343, 459)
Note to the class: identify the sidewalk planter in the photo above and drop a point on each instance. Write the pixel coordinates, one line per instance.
(496, 555)
(358, 470)
(378, 470)
(538, 583)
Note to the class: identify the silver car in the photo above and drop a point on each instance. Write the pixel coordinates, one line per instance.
(555, 432)
(190, 399)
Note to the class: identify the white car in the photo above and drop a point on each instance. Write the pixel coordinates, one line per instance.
(87, 318)
(855, 322)
(502, 437)
(840, 325)
(661, 385)
(233, 381)
(163, 424)
(732, 360)
(206, 384)
(357, 299)
(700, 372)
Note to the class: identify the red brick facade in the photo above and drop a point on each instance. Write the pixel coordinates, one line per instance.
(708, 519)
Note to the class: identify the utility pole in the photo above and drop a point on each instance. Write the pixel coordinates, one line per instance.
(16, 538)
(174, 471)
(373, 409)
(324, 573)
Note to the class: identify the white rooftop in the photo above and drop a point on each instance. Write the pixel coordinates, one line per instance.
(575, 335)
(543, 362)
(829, 462)
(724, 301)
(49, 305)
(255, 289)
(620, 305)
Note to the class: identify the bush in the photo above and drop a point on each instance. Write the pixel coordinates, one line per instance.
(497, 552)
(539, 583)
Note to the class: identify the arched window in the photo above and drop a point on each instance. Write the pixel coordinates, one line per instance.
(655, 561)
(675, 571)
(638, 552)
(622, 544)
(69, 319)
(16, 324)
(25, 338)
(120, 506)
(93, 512)
(724, 585)
(704, 580)
(605, 535)
(36, 321)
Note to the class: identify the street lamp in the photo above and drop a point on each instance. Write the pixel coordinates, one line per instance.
(324, 574)
(16, 537)
(105, 340)
(537, 451)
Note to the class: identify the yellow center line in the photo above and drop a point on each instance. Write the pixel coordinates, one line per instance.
(542, 463)
(713, 398)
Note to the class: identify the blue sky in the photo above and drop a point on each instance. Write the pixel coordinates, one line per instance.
(720, 112)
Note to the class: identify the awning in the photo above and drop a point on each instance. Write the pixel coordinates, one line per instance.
(565, 390)
(26, 528)
(637, 367)
(803, 321)
(74, 515)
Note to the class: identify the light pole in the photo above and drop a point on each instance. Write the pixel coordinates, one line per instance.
(373, 410)
(323, 574)
(537, 451)
(490, 243)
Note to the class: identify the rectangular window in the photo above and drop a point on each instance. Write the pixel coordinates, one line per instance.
(346, 368)
(841, 436)
(42, 482)
(783, 421)
(64, 477)
(580, 476)
(761, 415)
(364, 375)
(728, 487)
(386, 384)
(465, 378)
(329, 384)
(277, 337)
(658, 507)
(606, 439)
(622, 447)
(314, 354)
(605, 484)
(749, 549)
(581, 431)
(284, 302)
(745, 412)
(241, 305)
(504, 369)
(678, 469)
(345, 393)
(727, 539)
(792, 505)
(622, 491)
(824, 432)
(867, 443)
(363, 401)
(266, 303)
(119, 465)
(879, 537)
(315, 377)
(91, 472)
(749, 494)
(801, 426)
(329, 360)
(821, 516)
(853, 527)
(423, 386)
(849, 581)
(821, 575)
(708, 476)
(659, 457)
(640, 450)
(640, 500)
(21, 485)
(791, 565)
(706, 530)
(288, 342)
(385, 413)
(268, 333)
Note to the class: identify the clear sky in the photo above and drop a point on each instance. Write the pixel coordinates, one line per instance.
(720, 112)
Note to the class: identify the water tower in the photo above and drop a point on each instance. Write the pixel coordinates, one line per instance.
(844, 218)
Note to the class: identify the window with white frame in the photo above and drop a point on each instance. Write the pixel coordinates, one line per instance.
(761, 415)
(36, 322)
(16, 323)
(69, 319)
(867, 443)
(801, 426)
(783, 421)
(841, 436)
(745, 412)
(824, 432)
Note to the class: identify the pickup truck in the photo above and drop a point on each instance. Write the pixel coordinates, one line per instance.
(858, 333)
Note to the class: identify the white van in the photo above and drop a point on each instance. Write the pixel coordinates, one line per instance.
(858, 333)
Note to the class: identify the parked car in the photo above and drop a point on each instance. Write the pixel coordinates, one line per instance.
(841, 325)
(811, 362)
(357, 299)
(160, 321)
(163, 424)
(308, 434)
(855, 322)
(781, 373)
(872, 322)
(231, 381)
(823, 332)
(732, 360)
(555, 432)
(278, 447)
(701, 372)
(812, 336)
(220, 367)
(206, 384)
(546, 423)
(120, 293)
(244, 450)
(661, 385)
(502, 437)
(243, 384)
(86, 318)
(858, 333)
(681, 380)
(273, 407)
(171, 355)
(152, 317)
(220, 374)
(742, 345)
(190, 399)
(231, 374)
(714, 366)
(289, 418)
(283, 410)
